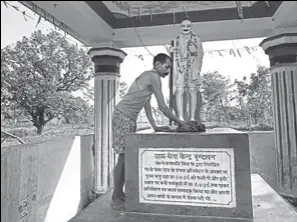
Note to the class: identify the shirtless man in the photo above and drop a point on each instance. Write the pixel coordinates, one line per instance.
(126, 113)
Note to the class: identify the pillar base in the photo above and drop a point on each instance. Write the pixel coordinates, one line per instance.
(95, 194)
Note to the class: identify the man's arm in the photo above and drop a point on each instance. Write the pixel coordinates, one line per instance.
(149, 115)
(157, 90)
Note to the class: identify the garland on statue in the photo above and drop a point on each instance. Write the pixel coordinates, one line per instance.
(186, 52)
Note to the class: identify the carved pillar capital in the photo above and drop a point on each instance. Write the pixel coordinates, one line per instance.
(107, 60)
(281, 48)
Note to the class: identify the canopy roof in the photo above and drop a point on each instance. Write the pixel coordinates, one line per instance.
(132, 23)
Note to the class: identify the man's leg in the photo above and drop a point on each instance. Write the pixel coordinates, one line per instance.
(119, 180)
(121, 124)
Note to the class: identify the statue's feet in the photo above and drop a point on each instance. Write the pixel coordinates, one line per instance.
(194, 126)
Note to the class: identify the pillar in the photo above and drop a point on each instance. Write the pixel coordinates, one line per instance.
(282, 51)
(107, 62)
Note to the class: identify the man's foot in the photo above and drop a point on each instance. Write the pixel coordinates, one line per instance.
(123, 196)
(118, 204)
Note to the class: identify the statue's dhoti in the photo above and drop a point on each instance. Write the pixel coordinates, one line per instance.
(187, 75)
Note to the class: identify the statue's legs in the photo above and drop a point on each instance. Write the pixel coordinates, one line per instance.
(199, 105)
(179, 101)
(193, 93)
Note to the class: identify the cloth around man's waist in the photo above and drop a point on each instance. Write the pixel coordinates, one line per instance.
(125, 111)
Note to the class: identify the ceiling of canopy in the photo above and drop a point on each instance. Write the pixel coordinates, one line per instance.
(136, 8)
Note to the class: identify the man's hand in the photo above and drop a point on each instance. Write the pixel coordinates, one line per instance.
(185, 125)
(162, 129)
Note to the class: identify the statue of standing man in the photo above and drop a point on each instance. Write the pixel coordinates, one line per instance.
(188, 55)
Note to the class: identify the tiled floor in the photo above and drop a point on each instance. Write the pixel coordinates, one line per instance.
(268, 206)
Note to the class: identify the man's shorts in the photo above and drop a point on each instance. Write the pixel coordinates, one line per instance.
(121, 125)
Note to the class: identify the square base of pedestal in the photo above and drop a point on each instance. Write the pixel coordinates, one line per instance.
(193, 175)
(135, 217)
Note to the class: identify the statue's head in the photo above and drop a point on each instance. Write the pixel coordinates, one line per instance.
(186, 27)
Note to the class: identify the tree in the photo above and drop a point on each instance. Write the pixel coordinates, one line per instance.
(90, 91)
(5, 93)
(260, 94)
(217, 95)
(123, 89)
(80, 112)
(158, 114)
(255, 95)
(242, 88)
(41, 72)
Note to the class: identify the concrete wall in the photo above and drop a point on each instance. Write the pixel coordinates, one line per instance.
(51, 181)
(46, 182)
(263, 156)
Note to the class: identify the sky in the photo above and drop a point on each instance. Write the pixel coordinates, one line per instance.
(14, 27)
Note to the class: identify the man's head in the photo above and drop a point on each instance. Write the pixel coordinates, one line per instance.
(186, 27)
(162, 64)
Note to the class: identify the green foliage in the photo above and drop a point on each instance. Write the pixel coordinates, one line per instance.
(159, 115)
(217, 94)
(89, 94)
(245, 101)
(40, 73)
(22, 132)
(254, 96)
(244, 105)
(28, 134)
(79, 112)
(6, 95)
(122, 90)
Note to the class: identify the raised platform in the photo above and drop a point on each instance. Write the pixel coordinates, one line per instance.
(267, 206)
(194, 176)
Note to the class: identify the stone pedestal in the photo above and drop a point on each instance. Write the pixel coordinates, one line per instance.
(188, 177)
(107, 62)
(282, 51)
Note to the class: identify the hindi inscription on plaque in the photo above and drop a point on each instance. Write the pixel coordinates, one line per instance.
(187, 176)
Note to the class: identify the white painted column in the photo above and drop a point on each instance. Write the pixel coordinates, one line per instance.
(282, 51)
(107, 62)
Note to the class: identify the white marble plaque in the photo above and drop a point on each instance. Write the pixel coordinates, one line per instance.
(187, 176)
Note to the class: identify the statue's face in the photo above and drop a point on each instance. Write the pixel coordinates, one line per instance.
(186, 27)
